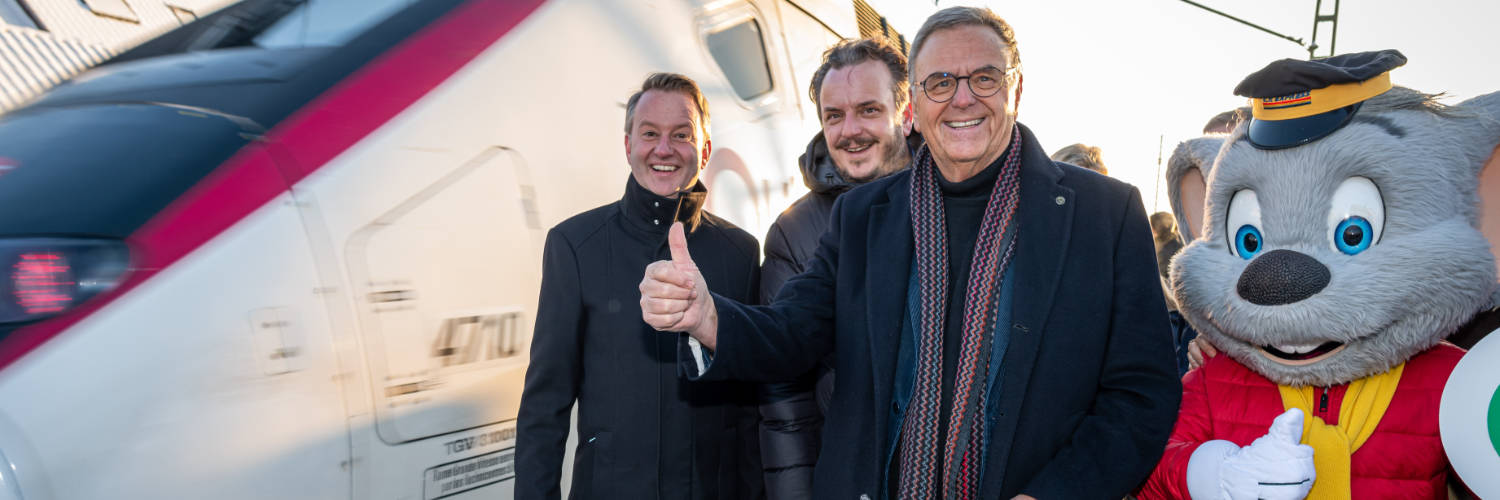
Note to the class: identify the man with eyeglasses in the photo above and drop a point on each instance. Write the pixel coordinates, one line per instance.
(996, 322)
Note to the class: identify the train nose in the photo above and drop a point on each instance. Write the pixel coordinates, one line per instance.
(1282, 277)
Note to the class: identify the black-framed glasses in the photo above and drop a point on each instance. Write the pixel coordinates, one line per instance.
(983, 82)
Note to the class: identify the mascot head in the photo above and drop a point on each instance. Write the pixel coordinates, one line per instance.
(1340, 230)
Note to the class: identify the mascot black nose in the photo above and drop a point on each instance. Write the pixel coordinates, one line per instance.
(1282, 277)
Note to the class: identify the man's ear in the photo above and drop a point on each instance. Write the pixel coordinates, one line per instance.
(708, 147)
(911, 99)
(1020, 85)
(907, 118)
(627, 146)
(1187, 186)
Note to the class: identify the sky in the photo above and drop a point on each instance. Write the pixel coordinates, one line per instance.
(1126, 75)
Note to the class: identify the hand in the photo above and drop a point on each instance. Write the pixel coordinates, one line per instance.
(1199, 350)
(1274, 467)
(675, 298)
(1023, 497)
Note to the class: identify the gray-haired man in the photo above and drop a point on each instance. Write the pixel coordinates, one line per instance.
(995, 316)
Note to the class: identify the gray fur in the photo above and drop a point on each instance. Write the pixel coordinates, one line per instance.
(1429, 272)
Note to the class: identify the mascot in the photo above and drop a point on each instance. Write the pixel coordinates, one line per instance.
(1336, 241)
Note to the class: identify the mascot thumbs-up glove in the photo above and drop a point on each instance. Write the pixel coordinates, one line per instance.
(1335, 241)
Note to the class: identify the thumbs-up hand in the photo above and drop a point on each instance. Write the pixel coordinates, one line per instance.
(674, 296)
(1274, 467)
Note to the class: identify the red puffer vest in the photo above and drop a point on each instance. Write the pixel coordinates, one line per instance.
(1403, 459)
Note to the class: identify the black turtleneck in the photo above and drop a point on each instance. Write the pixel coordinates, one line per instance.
(963, 209)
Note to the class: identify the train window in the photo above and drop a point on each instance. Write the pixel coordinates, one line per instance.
(741, 53)
(48, 190)
(14, 14)
(327, 22)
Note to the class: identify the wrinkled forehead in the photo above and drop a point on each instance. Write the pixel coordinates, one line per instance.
(960, 50)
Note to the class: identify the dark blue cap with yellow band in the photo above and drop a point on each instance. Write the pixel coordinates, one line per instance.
(1294, 102)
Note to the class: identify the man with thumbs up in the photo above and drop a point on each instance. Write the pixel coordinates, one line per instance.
(994, 317)
(643, 432)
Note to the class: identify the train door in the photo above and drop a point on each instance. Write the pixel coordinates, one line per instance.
(439, 249)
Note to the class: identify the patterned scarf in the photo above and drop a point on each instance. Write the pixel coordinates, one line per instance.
(962, 447)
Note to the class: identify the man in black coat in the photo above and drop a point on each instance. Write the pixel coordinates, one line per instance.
(860, 92)
(995, 317)
(643, 432)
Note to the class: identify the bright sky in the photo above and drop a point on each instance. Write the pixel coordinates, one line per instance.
(1123, 74)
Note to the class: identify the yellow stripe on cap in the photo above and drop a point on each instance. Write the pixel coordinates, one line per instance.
(1304, 104)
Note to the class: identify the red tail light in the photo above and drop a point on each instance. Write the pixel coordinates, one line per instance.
(43, 282)
(47, 276)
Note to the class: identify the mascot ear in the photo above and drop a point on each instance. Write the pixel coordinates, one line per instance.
(1187, 173)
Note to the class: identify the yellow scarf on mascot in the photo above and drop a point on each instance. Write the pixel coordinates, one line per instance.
(1364, 404)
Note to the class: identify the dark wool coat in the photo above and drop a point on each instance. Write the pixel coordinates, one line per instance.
(644, 432)
(792, 412)
(1088, 389)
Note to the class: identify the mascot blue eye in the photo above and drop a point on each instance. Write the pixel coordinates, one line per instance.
(1248, 242)
(1353, 235)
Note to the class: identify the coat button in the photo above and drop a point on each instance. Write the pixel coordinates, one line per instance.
(1060, 200)
(656, 204)
(895, 407)
(656, 221)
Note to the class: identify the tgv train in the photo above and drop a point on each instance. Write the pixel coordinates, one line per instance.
(292, 250)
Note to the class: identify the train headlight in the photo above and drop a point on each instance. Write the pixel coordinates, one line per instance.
(44, 277)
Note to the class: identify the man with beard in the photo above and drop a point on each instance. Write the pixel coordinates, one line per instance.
(995, 317)
(861, 95)
(643, 432)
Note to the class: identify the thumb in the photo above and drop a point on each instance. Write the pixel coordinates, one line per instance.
(1287, 428)
(677, 242)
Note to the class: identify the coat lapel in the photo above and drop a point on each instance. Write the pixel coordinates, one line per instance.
(1046, 216)
(890, 250)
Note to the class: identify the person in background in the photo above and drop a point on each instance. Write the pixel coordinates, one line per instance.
(861, 93)
(1164, 235)
(1083, 155)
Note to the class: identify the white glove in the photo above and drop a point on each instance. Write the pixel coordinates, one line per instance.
(1274, 467)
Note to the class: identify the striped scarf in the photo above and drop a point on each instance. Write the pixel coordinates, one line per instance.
(962, 447)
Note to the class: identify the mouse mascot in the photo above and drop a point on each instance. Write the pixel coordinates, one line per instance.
(1336, 240)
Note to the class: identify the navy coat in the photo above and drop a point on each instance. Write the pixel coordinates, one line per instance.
(643, 432)
(1088, 390)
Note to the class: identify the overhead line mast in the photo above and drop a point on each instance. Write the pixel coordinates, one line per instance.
(1319, 18)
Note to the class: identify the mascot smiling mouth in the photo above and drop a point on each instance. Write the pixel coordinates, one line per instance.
(1305, 354)
(1297, 355)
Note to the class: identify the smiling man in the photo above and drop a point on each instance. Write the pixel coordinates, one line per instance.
(994, 316)
(642, 431)
(861, 93)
